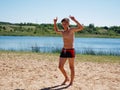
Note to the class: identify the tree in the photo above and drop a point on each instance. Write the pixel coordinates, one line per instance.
(4, 28)
(91, 26)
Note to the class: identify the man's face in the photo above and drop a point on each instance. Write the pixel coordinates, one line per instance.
(65, 24)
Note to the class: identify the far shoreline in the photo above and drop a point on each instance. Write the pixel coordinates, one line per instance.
(76, 36)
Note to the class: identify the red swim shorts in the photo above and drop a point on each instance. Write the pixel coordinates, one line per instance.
(67, 53)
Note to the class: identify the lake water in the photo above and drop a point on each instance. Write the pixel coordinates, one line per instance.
(50, 44)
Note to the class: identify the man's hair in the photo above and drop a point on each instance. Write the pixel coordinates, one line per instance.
(65, 19)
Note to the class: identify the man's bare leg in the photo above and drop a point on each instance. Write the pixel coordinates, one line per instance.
(61, 67)
(71, 65)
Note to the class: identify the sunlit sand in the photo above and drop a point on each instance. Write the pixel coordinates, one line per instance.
(32, 71)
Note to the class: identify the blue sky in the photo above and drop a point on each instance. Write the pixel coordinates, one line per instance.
(97, 12)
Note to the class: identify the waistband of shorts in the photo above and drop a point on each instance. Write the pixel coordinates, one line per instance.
(68, 49)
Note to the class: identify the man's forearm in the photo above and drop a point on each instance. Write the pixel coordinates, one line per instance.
(55, 27)
(78, 24)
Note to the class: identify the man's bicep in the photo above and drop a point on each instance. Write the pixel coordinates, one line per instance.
(59, 32)
(76, 29)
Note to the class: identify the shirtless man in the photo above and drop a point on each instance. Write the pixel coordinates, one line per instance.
(68, 51)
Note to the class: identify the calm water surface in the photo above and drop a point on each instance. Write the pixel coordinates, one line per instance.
(48, 44)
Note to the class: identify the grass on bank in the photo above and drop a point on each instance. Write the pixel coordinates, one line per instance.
(55, 56)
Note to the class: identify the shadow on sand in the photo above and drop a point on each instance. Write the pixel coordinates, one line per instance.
(57, 87)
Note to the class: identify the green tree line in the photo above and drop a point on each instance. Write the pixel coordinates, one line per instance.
(33, 29)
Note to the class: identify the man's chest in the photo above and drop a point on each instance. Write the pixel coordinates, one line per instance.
(67, 35)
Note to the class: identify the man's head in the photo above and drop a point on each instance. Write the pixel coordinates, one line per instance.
(65, 22)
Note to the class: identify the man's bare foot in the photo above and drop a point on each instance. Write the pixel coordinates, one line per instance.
(66, 80)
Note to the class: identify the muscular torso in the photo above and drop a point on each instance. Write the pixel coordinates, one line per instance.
(68, 39)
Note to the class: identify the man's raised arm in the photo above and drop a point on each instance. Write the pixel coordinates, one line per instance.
(79, 26)
(55, 26)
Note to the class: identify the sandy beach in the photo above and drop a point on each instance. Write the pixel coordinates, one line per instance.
(31, 71)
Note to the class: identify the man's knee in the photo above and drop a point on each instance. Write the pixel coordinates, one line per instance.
(60, 67)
